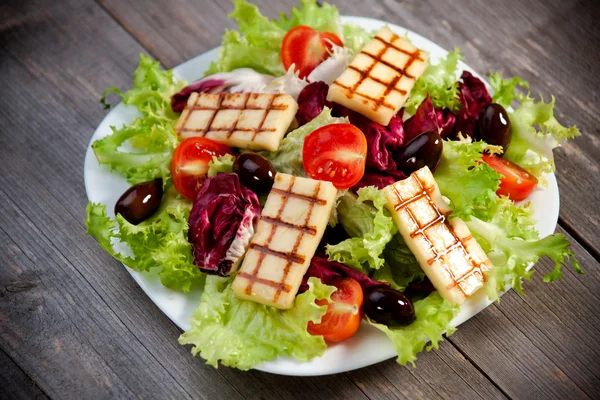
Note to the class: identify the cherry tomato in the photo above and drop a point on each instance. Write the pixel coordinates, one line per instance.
(516, 183)
(336, 153)
(344, 313)
(190, 163)
(306, 48)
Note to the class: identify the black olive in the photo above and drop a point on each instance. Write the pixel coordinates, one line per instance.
(389, 307)
(423, 150)
(493, 126)
(140, 201)
(255, 172)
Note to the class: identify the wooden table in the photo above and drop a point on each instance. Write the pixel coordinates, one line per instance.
(74, 324)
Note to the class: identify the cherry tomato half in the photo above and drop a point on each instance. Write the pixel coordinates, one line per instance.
(336, 153)
(516, 183)
(190, 163)
(306, 48)
(344, 313)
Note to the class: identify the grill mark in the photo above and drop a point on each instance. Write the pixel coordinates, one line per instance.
(287, 193)
(232, 127)
(401, 71)
(389, 86)
(373, 99)
(280, 286)
(187, 116)
(264, 117)
(303, 228)
(401, 50)
(281, 107)
(288, 265)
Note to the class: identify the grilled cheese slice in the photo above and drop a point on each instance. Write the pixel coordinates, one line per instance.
(450, 257)
(290, 228)
(380, 77)
(256, 121)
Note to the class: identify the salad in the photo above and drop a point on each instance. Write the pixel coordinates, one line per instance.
(280, 182)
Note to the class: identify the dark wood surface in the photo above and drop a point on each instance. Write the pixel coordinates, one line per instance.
(73, 324)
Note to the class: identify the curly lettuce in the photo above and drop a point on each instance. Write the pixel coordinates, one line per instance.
(439, 81)
(535, 130)
(159, 242)
(242, 334)
(142, 150)
(371, 228)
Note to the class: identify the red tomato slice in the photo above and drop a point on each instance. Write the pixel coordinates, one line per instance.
(190, 163)
(516, 183)
(306, 48)
(336, 153)
(344, 313)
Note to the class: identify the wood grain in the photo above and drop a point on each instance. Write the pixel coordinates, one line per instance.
(72, 319)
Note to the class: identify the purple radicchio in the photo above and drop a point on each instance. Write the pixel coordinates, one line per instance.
(221, 223)
(236, 81)
(425, 119)
(473, 96)
(320, 267)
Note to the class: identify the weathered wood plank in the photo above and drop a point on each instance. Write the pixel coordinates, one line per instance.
(543, 344)
(14, 382)
(553, 44)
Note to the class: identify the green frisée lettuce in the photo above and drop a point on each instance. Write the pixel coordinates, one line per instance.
(535, 130)
(223, 163)
(243, 334)
(288, 158)
(257, 45)
(433, 317)
(439, 81)
(371, 226)
(401, 267)
(469, 183)
(150, 137)
(159, 242)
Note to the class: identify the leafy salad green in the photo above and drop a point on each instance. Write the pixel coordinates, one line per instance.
(244, 334)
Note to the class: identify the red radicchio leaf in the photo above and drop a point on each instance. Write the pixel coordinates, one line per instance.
(311, 101)
(446, 121)
(425, 119)
(221, 223)
(473, 96)
(320, 267)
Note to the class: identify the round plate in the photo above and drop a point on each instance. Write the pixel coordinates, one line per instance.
(369, 345)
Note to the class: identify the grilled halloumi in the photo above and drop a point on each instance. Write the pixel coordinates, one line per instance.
(254, 121)
(449, 255)
(290, 228)
(380, 77)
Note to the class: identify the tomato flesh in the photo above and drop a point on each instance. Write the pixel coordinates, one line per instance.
(306, 48)
(516, 183)
(344, 312)
(336, 153)
(190, 163)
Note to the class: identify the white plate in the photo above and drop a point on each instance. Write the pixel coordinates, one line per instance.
(368, 346)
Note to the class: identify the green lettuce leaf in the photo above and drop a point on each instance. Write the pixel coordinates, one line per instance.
(504, 89)
(535, 133)
(371, 227)
(511, 255)
(355, 37)
(439, 80)
(433, 320)
(401, 267)
(288, 158)
(324, 18)
(220, 164)
(141, 151)
(243, 334)
(469, 183)
(158, 242)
